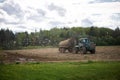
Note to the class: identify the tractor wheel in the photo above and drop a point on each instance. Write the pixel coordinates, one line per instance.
(92, 51)
(84, 51)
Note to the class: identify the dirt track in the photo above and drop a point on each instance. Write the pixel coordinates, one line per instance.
(104, 53)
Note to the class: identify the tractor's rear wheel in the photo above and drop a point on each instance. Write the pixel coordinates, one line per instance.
(84, 50)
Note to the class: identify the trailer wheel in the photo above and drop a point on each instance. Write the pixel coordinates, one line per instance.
(63, 50)
(60, 50)
(75, 50)
(70, 50)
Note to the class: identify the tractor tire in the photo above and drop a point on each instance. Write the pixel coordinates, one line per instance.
(84, 50)
(92, 51)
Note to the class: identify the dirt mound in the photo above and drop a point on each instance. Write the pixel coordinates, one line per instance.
(103, 53)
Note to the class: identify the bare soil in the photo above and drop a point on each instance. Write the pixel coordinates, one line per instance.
(103, 53)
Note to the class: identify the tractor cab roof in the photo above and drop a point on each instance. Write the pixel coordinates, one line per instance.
(84, 40)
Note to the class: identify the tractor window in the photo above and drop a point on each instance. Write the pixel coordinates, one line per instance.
(85, 40)
(82, 41)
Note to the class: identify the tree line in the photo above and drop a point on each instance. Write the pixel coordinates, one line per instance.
(101, 36)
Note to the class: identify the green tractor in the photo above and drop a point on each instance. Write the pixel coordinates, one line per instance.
(74, 45)
(83, 45)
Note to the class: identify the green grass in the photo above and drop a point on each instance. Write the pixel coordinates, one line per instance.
(61, 71)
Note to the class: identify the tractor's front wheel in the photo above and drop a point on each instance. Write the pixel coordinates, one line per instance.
(92, 51)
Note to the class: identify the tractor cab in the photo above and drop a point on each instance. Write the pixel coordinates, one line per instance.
(84, 45)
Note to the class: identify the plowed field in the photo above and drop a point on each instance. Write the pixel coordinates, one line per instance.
(103, 53)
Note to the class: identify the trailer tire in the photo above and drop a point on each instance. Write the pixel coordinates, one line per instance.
(75, 50)
(70, 50)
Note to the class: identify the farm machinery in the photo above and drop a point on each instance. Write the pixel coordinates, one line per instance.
(73, 45)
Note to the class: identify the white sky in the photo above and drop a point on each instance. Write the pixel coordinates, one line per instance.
(28, 15)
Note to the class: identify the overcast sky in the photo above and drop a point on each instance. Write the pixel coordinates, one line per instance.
(28, 15)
